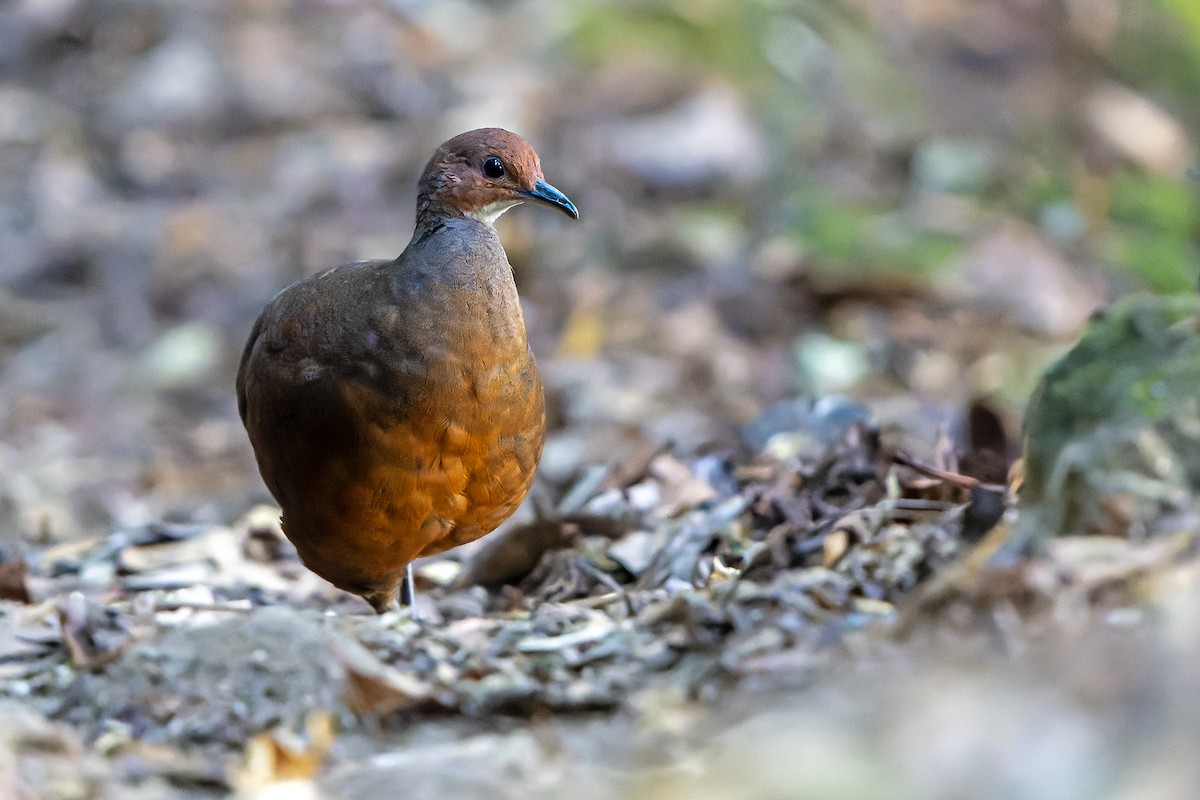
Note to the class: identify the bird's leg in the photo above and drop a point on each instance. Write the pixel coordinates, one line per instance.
(408, 590)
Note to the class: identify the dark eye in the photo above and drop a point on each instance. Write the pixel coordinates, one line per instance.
(493, 167)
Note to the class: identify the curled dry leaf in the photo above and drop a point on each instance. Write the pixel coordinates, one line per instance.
(373, 687)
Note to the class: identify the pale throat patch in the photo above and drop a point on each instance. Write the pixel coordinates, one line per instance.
(491, 212)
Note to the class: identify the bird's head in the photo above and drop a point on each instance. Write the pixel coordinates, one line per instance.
(483, 173)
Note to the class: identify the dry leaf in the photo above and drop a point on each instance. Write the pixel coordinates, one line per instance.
(373, 687)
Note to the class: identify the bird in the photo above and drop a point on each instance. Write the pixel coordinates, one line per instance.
(394, 407)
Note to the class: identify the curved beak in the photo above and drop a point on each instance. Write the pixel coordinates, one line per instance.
(545, 193)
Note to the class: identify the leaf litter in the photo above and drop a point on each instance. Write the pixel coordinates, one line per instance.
(678, 570)
(703, 576)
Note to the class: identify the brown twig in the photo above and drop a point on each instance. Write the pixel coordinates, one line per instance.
(952, 478)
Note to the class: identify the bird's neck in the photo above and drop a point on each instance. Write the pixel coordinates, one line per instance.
(458, 250)
(459, 271)
(431, 216)
(466, 228)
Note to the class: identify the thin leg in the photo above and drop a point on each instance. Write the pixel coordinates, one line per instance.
(408, 589)
(408, 594)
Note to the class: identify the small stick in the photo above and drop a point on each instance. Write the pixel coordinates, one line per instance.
(952, 478)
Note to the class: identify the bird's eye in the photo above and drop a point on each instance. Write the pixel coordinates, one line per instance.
(493, 167)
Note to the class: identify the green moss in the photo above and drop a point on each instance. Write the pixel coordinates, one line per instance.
(1131, 367)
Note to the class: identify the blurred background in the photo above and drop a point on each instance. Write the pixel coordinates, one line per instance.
(918, 203)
